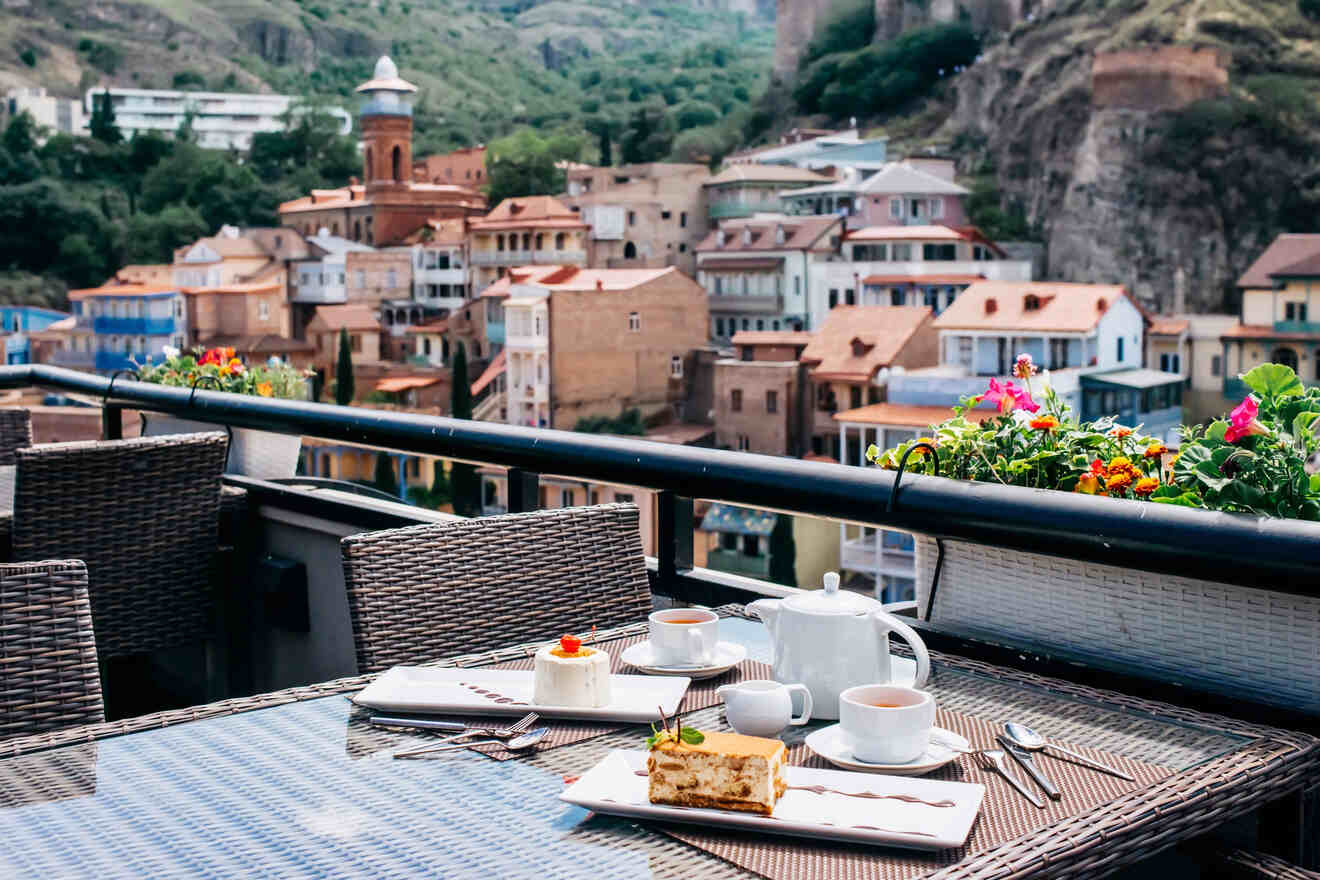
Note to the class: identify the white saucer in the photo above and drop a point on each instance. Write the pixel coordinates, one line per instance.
(727, 656)
(828, 743)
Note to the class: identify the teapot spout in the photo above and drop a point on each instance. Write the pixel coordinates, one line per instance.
(767, 610)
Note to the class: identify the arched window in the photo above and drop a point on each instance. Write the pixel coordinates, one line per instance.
(630, 251)
(1286, 356)
(560, 240)
(540, 241)
(499, 242)
(396, 162)
(357, 230)
(334, 228)
(371, 166)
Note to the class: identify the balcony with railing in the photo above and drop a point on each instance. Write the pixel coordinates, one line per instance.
(134, 326)
(501, 258)
(285, 622)
(746, 304)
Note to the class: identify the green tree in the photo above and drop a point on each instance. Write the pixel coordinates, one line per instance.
(650, 135)
(20, 134)
(152, 238)
(849, 27)
(344, 371)
(102, 123)
(38, 216)
(783, 552)
(386, 481)
(695, 114)
(464, 485)
(525, 164)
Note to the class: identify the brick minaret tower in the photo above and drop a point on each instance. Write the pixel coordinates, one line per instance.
(386, 119)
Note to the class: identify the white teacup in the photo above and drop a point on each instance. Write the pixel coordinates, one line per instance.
(885, 723)
(762, 707)
(684, 636)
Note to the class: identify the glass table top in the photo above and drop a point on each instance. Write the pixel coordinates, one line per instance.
(310, 789)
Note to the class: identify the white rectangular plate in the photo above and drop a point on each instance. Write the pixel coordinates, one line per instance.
(427, 691)
(615, 787)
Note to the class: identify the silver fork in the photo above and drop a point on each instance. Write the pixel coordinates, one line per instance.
(993, 759)
(522, 725)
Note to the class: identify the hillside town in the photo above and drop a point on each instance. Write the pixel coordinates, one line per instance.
(806, 299)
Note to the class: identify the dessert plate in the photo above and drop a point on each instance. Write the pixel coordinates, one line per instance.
(828, 742)
(424, 690)
(822, 804)
(727, 656)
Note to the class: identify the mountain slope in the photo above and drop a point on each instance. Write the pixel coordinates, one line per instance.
(483, 66)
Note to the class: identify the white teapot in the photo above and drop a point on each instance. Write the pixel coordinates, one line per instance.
(832, 639)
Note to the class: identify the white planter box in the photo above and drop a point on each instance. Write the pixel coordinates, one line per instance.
(262, 455)
(1217, 637)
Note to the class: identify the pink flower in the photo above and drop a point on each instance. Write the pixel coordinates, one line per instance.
(1245, 423)
(1024, 368)
(1007, 397)
(1025, 402)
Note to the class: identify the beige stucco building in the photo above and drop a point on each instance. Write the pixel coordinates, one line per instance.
(758, 394)
(532, 231)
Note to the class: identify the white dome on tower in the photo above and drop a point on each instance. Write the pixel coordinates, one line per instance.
(385, 69)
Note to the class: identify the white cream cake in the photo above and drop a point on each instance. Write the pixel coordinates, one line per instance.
(568, 674)
(727, 771)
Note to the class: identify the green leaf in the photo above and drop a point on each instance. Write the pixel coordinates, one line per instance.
(1177, 497)
(1274, 380)
(1214, 435)
(1208, 473)
(692, 736)
(1315, 483)
(1303, 425)
(872, 452)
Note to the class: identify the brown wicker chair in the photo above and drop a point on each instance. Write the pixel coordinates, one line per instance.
(425, 592)
(48, 671)
(15, 434)
(143, 515)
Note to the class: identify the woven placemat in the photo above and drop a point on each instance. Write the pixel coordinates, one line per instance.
(1005, 814)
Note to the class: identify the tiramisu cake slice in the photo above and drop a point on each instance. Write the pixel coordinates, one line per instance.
(727, 771)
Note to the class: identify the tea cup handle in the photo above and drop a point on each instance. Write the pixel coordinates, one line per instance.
(887, 623)
(806, 705)
(697, 646)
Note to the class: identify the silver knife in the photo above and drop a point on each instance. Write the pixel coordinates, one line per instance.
(419, 723)
(1025, 758)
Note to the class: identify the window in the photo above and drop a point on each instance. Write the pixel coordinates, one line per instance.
(263, 311)
(355, 342)
(751, 545)
(1295, 311)
(392, 278)
(565, 497)
(746, 324)
(774, 325)
(539, 321)
(735, 400)
(897, 296)
(744, 444)
(682, 219)
(341, 278)
(426, 345)
(849, 297)
(178, 308)
(728, 540)
(896, 208)
(855, 396)
(634, 322)
(834, 297)
(719, 326)
(1171, 363)
(939, 252)
(676, 367)
(1217, 365)
(760, 323)
(1120, 349)
(665, 215)
(797, 285)
(936, 208)
(632, 218)
(772, 401)
(902, 253)
(593, 497)
(623, 498)
(1031, 303)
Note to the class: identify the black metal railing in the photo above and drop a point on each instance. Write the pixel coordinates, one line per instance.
(1282, 555)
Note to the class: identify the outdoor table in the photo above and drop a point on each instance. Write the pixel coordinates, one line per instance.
(297, 784)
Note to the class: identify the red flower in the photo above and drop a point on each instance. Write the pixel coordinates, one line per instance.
(1245, 423)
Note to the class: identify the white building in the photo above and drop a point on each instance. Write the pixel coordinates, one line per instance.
(323, 280)
(63, 115)
(221, 120)
(439, 263)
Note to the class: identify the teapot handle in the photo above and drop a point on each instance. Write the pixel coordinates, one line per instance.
(887, 623)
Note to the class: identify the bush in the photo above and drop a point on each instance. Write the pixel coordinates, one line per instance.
(189, 79)
(28, 57)
(1310, 8)
(628, 423)
(850, 26)
(694, 114)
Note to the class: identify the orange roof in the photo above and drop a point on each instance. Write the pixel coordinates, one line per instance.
(922, 279)
(124, 290)
(489, 374)
(439, 325)
(1266, 332)
(1168, 326)
(346, 317)
(907, 416)
(1059, 307)
(907, 233)
(226, 246)
(1286, 250)
(529, 211)
(355, 196)
(772, 337)
(406, 383)
(762, 234)
(245, 287)
(571, 278)
(856, 341)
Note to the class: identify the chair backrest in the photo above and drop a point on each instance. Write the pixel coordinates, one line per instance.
(427, 592)
(143, 514)
(49, 677)
(15, 433)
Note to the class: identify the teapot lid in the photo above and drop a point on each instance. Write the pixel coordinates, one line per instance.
(831, 600)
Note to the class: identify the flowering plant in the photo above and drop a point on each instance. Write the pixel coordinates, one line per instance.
(225, 372)
(1252, 462)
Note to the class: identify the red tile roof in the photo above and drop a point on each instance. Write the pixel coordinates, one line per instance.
(575, 278)
(856, 341)
(907, 416)
(1267, 333)
(800, 233)
(489, 374)
(346, 317)
(439, 325)
(395, 384)
(908, 233)
(1002, 305)
(1162, 326)
(1307, 268)
(772, 337)
(1286, 250)
(529, 211)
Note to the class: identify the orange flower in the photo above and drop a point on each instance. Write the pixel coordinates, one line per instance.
(1087, 484)
(228, 353)
(1119, 432)
(265, 389)
(1118, 482)
(1155, 450)
(1122, 465)
(1045, 423)
(1146, 486)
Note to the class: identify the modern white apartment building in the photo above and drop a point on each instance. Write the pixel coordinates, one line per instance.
(63, 115)
(221, 120)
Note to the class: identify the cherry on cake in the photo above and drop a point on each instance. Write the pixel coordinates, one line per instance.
(568, 674)
(727, 771)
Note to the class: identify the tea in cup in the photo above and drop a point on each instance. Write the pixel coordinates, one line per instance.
(762, 707)
(684, 636)
(885, 723)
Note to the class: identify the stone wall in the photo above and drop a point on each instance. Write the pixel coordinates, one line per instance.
(1158, 77)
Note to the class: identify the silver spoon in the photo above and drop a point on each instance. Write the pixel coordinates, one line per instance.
(518, 743)
(1032, 741)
